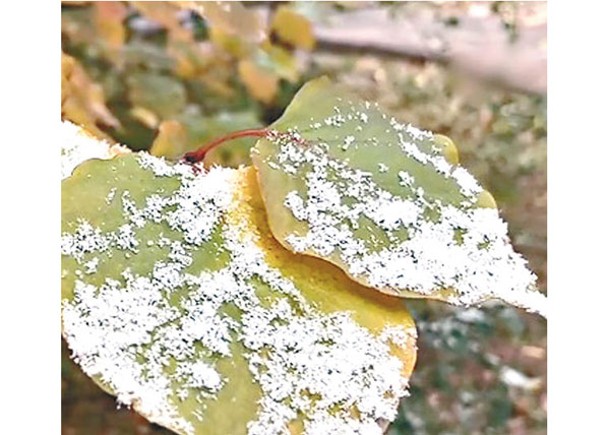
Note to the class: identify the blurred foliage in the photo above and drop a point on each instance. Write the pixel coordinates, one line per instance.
(477, 373)
(140, 72)
(163, 76)
(82, 101)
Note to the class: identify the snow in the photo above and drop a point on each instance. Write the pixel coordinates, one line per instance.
(155, 338)
(465, 249)
(78, 146)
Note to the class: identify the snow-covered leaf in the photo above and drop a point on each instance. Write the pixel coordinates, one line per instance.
(386, 202)
(177, 299)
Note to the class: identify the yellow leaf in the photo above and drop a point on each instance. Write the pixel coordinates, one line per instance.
(171, 141)
(145, 116)
(449, 149)
(293, 28)
(166, 14)
(278, 60)
(82, 100)
(109, 18)
(187, 62)
(320, 280)
(261, 84)
(230, 43)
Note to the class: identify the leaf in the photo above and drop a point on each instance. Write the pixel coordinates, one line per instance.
(137, 54)
(261, 72)
(171, 140)
(231, 18)
(166, 14)
(230, 43)
(260, 83)
(278, 61)
(177, 299)
(194, 60)
(293, 28)
(82, 100)
(145, 116)
(163, 95)
(347, 183)
(109, 18)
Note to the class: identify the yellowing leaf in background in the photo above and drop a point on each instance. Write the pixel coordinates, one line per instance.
(109, 18)
(232, 18)
(278, 60)
(230, 43)
(145, 116)
(166, 14)
(293, 28)
(82, 100)
(191, 59)
(261, 84)
(172, 140)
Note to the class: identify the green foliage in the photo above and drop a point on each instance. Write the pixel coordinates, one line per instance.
(149, 63)
(472, 355)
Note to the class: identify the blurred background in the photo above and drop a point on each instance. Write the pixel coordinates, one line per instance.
(169, 76)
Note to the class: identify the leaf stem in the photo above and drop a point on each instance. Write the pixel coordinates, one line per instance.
(198, 155)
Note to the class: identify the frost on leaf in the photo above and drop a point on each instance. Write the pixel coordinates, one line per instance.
(177, 299)
(385, 202)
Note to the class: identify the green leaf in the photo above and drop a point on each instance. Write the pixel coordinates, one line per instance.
(138, 54)
(177, 299)
(383, 200)
(158, 93)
